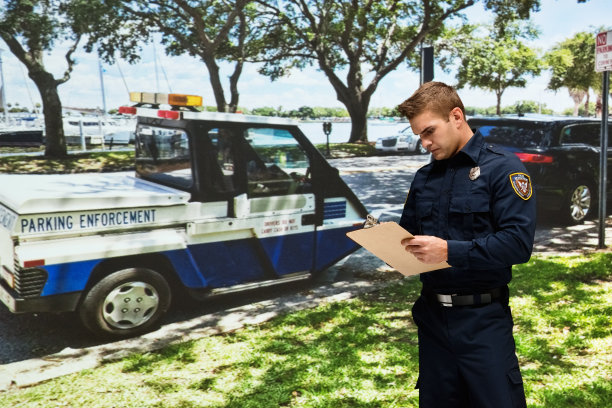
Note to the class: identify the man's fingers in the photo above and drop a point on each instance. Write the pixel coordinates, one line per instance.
(410, 241)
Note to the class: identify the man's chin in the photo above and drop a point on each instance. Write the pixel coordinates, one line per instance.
(438, 155)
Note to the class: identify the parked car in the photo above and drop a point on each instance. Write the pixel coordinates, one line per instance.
(560, 153)
(404, 142)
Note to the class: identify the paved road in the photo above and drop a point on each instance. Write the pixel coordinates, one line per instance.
(381, 182)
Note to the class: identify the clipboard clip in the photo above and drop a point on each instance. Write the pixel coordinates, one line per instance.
(370, 221)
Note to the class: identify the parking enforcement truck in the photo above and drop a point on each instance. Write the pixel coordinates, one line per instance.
(217, 203)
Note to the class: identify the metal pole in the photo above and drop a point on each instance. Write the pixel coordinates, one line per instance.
(3, 91)
(603, 160)
(102, 87)
(83, 145)
(103, 118)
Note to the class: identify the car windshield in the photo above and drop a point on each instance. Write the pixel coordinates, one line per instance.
(515, 135)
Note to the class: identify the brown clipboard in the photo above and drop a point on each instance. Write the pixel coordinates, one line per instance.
(384, 241)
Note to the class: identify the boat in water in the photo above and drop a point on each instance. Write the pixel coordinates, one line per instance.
(96, 130)
(22, 132)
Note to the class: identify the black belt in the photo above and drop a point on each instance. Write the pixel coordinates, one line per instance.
(452, 300)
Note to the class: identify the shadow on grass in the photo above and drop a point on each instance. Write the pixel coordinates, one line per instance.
(595, 395)
(560, 309)
(354, 354)
(364, 353)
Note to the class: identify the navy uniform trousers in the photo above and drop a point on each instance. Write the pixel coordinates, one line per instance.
(467, 355)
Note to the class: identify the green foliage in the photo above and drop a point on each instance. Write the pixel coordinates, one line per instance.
(304, 112)
(582, 111)
(384, 112)
(29, 29)
(516, 108)
(496, 60)
(527, 107)
(572, 63)
(365, 40)
(265, 111)
(75, 163)
(210, 30)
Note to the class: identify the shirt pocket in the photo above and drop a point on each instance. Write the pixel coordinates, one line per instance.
(424, 217)
(469, 217)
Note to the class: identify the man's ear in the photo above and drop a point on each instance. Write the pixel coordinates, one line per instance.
(456, 116)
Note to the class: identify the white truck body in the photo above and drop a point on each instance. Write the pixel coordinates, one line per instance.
(200, 215)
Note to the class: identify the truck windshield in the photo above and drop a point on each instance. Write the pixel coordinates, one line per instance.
(272, 159)
(285, 163)
(162, 155)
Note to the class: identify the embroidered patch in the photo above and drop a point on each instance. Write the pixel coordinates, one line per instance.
(521, 183)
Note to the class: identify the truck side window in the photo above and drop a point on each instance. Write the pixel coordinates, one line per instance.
(162, 155)
(276, 164)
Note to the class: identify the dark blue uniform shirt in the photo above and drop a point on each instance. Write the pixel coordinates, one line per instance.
(488, 220)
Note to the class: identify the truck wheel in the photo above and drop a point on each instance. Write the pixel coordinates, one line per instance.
(125, 303)
(579, 204)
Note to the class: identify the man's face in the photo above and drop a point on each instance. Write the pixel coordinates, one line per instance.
(439, 135)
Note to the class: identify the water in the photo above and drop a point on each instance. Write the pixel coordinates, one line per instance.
(341, 131)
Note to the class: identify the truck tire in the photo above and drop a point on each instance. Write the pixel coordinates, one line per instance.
(125, 303)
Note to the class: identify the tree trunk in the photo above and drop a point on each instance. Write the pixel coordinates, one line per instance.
(215, 83)
(359, 123)
(55, 144)
(577, 96)
(498, 106)
(586, 104)
(234, 94)
(356, 102)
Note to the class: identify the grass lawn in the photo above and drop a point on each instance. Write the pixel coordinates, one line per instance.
(363, 353)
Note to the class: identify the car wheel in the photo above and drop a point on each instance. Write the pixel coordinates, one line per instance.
(420, 149)
(580, 204)
(125, 303)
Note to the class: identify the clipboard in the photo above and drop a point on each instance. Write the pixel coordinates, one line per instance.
(384, 241)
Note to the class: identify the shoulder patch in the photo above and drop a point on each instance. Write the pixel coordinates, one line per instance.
(521, 183)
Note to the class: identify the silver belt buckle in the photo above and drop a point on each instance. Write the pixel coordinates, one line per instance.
(445, 300)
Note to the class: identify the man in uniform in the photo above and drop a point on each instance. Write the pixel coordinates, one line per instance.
(472, 207)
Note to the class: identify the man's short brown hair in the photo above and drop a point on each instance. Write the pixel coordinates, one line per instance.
(436, 97)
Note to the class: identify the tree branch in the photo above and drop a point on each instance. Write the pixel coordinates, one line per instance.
(69, 61)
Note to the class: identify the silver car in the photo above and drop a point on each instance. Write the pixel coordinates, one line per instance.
(404, 142)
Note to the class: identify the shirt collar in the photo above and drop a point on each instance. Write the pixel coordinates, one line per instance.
(473, 146)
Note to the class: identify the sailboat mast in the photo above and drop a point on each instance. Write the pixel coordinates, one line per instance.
(2, 91)
(102, 87)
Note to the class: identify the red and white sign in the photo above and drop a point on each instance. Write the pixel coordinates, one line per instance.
(603, 52)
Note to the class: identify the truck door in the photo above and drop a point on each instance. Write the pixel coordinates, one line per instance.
(264, 174)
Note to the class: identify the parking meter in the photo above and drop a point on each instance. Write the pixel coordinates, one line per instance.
(327, 128)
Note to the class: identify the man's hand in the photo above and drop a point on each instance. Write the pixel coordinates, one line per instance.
(427, 249)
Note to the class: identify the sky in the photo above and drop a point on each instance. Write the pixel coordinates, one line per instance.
(556, 20)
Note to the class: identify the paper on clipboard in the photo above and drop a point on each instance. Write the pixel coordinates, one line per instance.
(384, 241)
